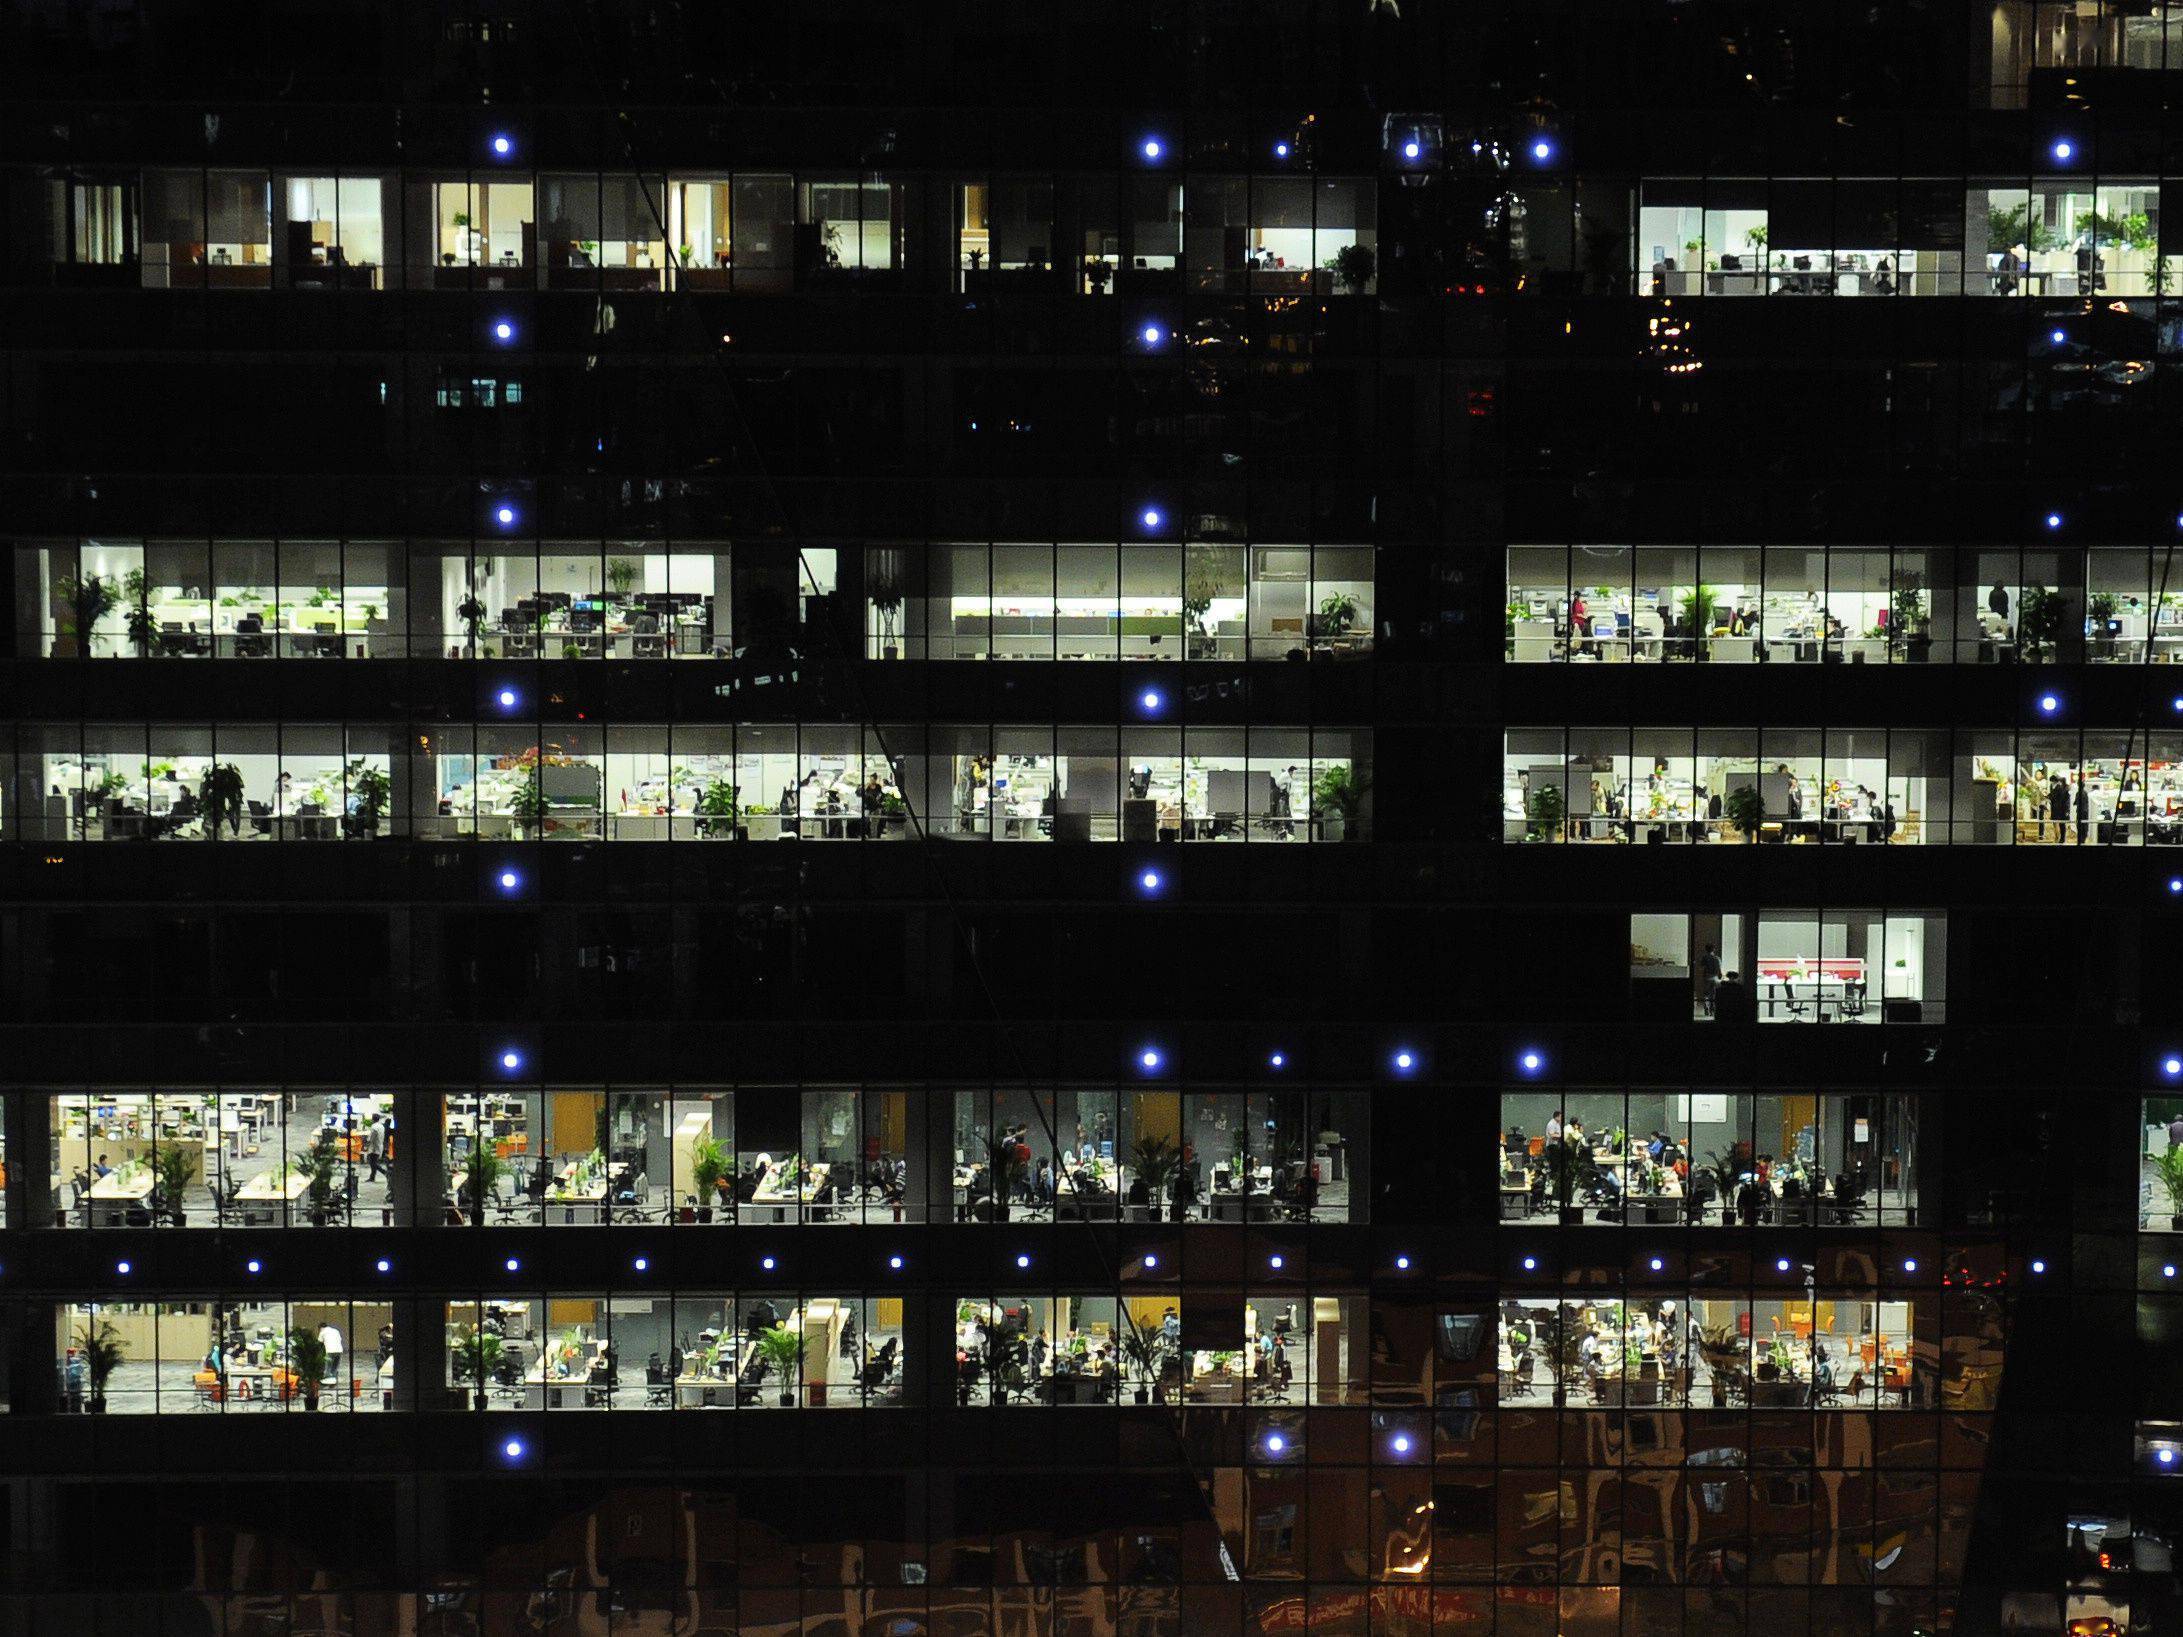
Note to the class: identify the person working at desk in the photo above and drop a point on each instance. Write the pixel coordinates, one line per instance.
(100, 1168)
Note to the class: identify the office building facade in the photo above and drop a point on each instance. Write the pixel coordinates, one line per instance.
(981, 820)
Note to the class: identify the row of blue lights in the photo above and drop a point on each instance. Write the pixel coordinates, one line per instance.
(896, 1262)
(1153, 148)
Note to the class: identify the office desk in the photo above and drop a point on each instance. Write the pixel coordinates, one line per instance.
(270, 1188)
(706, 1391)
(777, 1203)
(1658, 1209)
(1515, 1201)
(115, 1195)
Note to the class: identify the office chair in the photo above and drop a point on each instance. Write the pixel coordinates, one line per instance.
(659, 1392)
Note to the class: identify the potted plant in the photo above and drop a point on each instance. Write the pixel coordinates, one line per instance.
(2168, 1166)
(1204, 579)
(716, 810)
(527, 807)
(894, 814)
(1155, 1160)
(1003, 1170)
(883, 590)
(472, 614)
(321, 1162)
(85, 599)
(307, 1362)
(2040, 621)
(1142, 1351)
(143, 629)
(1568, 1167)
(782, 1350)
(1337, 801)
(485, 1170)
(478, 1353)
(372, 789)
(2099, 611)
(1338, 613)
(220, 797)
(708, 1164)
(1353, 266)
(621, 573)
(1697, 606)
(174, 1168)
(1908, 624)
(103, 1351)
(1746, 811)
(1545, 814)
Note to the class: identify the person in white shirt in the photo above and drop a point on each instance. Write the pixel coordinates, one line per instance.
(329, 1337)
(1553, 1127)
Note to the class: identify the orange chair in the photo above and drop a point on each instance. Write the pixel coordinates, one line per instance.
(209, 1388)
(1537, 1147)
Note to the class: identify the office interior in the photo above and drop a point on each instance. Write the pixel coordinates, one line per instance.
(524, 1156)
(1699, 1350)
(1842, 604)
(1090, 602)
(1790, 965)
(1844, 786)
(646, 599)
(226, 1354)
(1253, 1156)
(2048, 237)
(2063, 40)
(1207, 1347)
(1709, 1158)
(2160, 1166)
(745, 232)
(688, 782)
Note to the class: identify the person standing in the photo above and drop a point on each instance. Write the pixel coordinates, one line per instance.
(1709, 973)
(2058, 807)
(329, 1336)
(2084, 809)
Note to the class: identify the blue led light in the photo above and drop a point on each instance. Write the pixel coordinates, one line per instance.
(2038, 1266)
(2175, 884)
(508, 698)
(2171, 1066)
(1532, 1061)
(2166, 1457)
(1531, 1264)
(1405, 1060)
(1150, 881)
(2064, 150)
(514, 1264)
(1277, 1261)
(253, 1266)
(1152, 335)
(504, 516)
(1149, 1058)
(1151, 518)
(1402, 1264)
(504, 330)
(1781, 1264)
(766, 1262)
(1152, 147)
(1151, 700)
(383, 1265)
(1275, 1443)
(1151, 1261)
(1400, 1443)
(509, 881)
(2059, 336)
(1910, 1264)
(1279, 1060)
(511, 1061)
(642, 1264)
(2054, 520)
(895, 1262)
(2167, 1272)
(121, 1267)
(1410, 149)
(2049, 703)
(503, 145)
(1657, 1264)
(1280, 150)
(1023, 1259)
(513, 1449)
(1542, 150)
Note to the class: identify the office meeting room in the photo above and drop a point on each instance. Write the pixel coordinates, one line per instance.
(1215, 1347)
(1800, 965)
(1708, 1158)
(692, 1350)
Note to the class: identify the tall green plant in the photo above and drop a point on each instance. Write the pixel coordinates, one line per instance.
(307, 1361)
(2168, 1167)
(86, 599)
(103, 1353)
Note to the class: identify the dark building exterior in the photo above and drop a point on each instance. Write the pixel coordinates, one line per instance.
(1191, 818)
